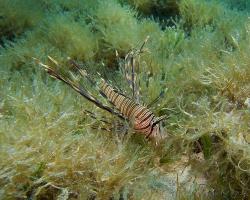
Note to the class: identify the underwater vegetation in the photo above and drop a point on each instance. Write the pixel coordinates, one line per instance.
(198, 52)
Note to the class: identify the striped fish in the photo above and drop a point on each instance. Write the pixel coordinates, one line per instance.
(140, 118)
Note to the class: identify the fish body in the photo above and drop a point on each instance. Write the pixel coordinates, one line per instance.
(140, 117)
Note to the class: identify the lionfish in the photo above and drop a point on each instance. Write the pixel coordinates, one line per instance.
(139, 117)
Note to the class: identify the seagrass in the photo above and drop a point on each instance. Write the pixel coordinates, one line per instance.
(140, 118)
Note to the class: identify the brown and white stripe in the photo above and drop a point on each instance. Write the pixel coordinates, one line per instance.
(141, 118)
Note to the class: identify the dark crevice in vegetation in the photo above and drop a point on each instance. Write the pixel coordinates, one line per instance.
(240, 5)
(161, 11)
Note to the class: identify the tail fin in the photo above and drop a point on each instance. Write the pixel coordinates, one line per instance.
(78, 88)
(92, 82)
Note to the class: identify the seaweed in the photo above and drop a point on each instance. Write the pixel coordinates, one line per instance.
(199, 57)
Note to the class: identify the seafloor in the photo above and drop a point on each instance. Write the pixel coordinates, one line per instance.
(198, 53)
